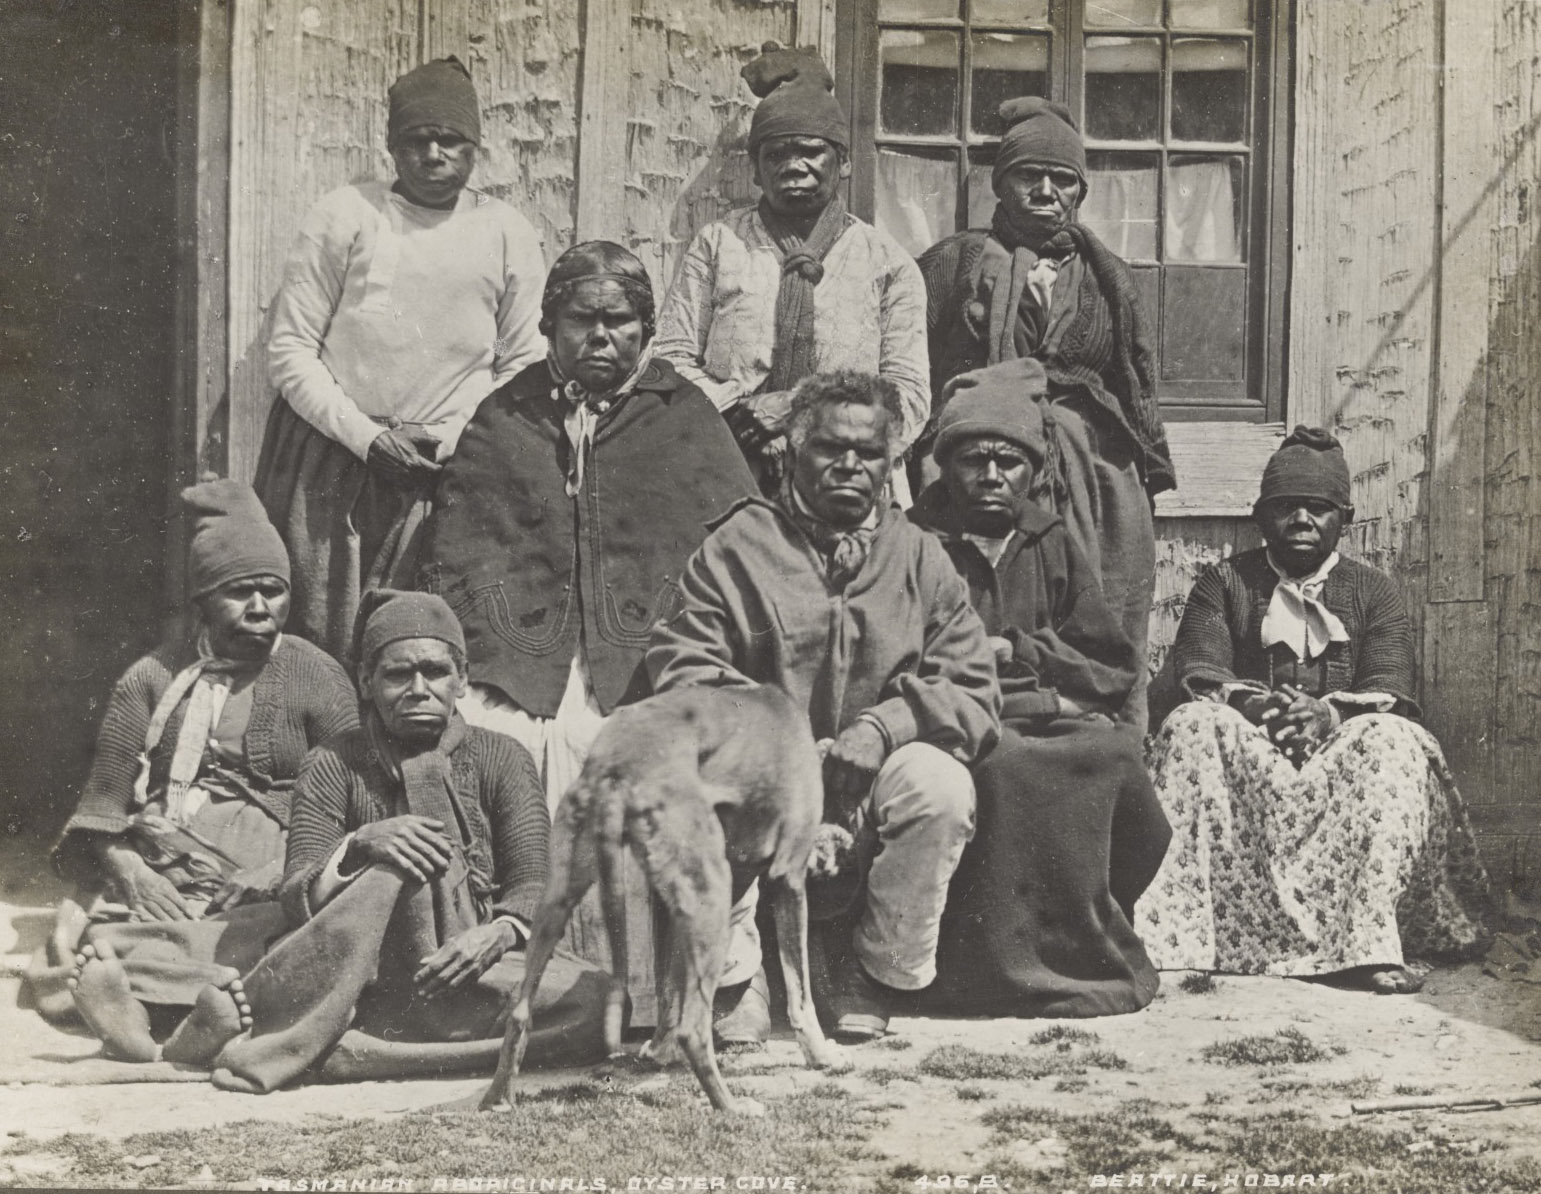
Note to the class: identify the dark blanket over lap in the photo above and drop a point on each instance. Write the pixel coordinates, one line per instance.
(1070, 834)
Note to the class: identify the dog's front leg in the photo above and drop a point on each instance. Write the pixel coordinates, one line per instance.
(789, 902)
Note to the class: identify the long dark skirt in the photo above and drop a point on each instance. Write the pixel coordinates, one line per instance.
(347, 530)
(1038, 915)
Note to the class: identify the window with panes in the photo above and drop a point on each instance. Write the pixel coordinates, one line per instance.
(1181, 105)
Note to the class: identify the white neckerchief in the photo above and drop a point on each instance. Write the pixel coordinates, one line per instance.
(581, 417)
(1040, 280)
(1296, 616)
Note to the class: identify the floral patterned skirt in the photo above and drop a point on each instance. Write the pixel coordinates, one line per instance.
(1363, 853)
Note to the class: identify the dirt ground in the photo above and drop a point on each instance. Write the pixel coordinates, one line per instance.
(1472, 1032)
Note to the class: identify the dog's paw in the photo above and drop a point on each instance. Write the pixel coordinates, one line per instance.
(832, 1059)
(833, 851)
(744, 1105)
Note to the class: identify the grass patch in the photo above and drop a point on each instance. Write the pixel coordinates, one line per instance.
(961, 1063)
(973, 1094)
(1198, 982)
(1288, 1046)
(1135, 1139)
(897, 1043)
(1071, 1085)
(882, 1075)
(586, 1129)
(1063, 1034)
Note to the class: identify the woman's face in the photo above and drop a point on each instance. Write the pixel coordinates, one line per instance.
(1039, 199)
(597, 335)
(1301, 532)
(244, 617)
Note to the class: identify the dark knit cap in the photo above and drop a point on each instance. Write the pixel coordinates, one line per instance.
(1040, 131)
(1308, 464)
(387, 616)
(436, 93)
(232, 537)
(797, 98)
(996, 402)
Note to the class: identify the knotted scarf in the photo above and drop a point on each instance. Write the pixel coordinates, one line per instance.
(802, 269)
(1296, 616)
(428, 782)
(206, 685)
(1099, 342)
(843, 551)
(584, 407)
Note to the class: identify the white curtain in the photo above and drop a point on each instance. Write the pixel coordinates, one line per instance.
(916, 199)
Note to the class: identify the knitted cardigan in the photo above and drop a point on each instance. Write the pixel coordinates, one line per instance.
(1220, 637)
(301, 698)
(497, 790)
(1107, 351)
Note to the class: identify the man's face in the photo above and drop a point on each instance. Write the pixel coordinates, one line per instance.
(244, 617)
(1301, 532)
(413, 686)
(842, 464)
(799, 175)
(986, 478)
(433, 165)
(597, 335)
(1039, 199)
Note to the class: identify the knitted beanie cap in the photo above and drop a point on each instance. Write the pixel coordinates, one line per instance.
(436, 93)
(387, 616)
(1309, 464)
(797, 98)
(232, 537)
(1042, 132)
(997, 401)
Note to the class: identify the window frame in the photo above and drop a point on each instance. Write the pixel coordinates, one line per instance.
(1258, 399)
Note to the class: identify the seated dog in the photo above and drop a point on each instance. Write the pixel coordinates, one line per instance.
(711, 788)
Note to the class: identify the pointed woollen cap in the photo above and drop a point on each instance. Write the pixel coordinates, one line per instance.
(797, 98)
(232, 537)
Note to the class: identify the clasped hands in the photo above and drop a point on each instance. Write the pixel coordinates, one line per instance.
(419, 847)
(404, 457)
(1296, 723)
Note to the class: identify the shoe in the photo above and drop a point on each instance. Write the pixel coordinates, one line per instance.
(741, 1014)
(862, 1006)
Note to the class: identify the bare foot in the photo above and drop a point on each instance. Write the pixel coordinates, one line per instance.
(220, 1014)
(1393, 980)
(107, 1004)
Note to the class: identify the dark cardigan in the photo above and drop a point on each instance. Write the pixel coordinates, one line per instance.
(496, 788)
(1220, 638)
(528, 569)
(301, 698)
(1045, 599)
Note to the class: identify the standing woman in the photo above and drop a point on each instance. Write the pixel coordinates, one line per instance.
(403, 305)
(1037, 283)
(566, 515)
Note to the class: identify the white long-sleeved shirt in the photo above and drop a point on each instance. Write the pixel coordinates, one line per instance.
(388, 309)
(718, 325)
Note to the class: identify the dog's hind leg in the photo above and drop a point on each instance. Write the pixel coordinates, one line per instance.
(573, 870)
(686, 860)
(789, 902)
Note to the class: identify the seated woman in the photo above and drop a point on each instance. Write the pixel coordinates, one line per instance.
(418, 856)
(1317, 827)
(178, 842)
(576, 494)
(1069, 830)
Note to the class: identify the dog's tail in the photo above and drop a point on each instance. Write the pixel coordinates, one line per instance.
(610, 848)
